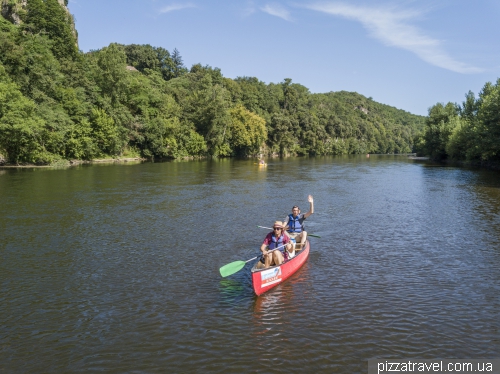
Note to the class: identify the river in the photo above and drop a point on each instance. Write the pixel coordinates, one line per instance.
(114, 268)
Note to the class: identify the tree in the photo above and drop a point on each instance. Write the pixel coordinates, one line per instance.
(488, 126)
(178, 65)
(206, 105)
(109, 71)
(49, 17)
(439, 126)
(282, 138)
(459, 143)
(248, 131)
(105, 132)
(20, 128)
(142, 57)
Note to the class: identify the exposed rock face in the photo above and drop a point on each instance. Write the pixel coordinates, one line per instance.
(13, 9)
(71, 19)
(364, 110)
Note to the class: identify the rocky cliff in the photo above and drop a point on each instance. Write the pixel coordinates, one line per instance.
(14, 10)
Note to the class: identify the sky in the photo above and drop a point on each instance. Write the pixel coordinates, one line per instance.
(406, 54)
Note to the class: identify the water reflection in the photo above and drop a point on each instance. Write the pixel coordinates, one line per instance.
(233, 290)
(268, 306)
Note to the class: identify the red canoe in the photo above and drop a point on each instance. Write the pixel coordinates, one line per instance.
(265, 279)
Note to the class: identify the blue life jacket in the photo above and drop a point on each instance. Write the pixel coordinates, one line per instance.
(276, 242)
(294, 224)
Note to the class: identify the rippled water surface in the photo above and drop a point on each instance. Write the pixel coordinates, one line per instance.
(114, 268)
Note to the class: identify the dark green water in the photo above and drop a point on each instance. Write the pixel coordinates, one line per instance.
(114, 268)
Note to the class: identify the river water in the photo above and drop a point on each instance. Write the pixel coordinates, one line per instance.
(114, 268)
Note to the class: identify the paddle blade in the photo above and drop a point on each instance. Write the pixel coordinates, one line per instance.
(315, 236)
(231, 268)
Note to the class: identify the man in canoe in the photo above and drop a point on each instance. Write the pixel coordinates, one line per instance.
(275, 239)
(294, 223)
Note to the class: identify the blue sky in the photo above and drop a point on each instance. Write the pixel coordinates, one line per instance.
(407, 54)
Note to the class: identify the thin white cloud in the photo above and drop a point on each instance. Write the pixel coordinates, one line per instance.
(173, 7)
(391, 27)
(249, 9)
(277, 10)
(247, 12)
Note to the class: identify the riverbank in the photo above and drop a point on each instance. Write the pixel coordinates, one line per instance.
(108, 160)
(69, 163)
(418, 158)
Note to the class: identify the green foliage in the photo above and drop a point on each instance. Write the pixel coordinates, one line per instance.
(192, 142)
(58, 103)
(205, 103)
(142, 57)
(488, 118)
(439, 126)
(178, 68)
(104, 132)
(108, 71)
(159, 138)
(80, 142)
(47, 16)
(470, 132)
(248, 131)
(157, 59)
(20, 128)
(458, 142)
(335, 123)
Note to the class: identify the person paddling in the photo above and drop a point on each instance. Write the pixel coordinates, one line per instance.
(274, 239)
(294, 223)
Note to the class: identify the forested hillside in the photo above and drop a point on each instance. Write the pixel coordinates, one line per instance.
(57, 103)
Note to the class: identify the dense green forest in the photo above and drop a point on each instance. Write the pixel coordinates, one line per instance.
(58, 103)
(467, 132)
